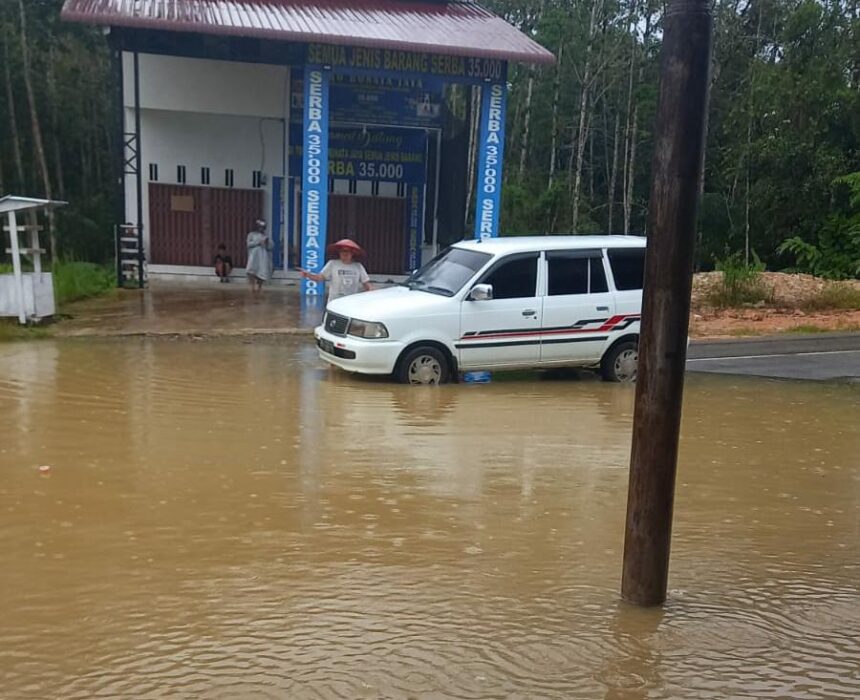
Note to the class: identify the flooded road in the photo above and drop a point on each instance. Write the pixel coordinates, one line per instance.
(226, 519)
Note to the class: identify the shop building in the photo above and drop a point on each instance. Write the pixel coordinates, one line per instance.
(326, 118)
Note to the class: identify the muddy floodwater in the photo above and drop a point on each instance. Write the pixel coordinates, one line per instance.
(228, 519)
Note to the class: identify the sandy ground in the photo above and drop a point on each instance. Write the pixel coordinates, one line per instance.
(229, 310)
(191, 309)
(784, 312)
(732, 323)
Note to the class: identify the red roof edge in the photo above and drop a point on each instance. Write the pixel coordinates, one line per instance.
(541, 56)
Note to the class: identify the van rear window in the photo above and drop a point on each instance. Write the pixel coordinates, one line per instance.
(571, 273)
(628, 267)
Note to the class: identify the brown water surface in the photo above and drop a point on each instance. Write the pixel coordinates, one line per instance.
(226, 519)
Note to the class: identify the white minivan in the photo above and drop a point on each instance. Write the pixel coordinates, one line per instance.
(503, 303)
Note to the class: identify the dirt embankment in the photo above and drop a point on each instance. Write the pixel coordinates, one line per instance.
(791, 303)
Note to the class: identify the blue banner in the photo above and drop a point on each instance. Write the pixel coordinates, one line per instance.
(277, 221)
(368, 99)
(315, 175)
(382, 154)
(356, 60)
(378, 99)
(414, 225)
(490, 160)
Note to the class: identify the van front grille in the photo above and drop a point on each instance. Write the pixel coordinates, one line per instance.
(335, 324)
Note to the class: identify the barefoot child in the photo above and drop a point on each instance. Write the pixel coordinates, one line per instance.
(223, 264)
(345, 274)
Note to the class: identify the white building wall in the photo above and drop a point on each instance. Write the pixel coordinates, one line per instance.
(202, 113)
(203, 85)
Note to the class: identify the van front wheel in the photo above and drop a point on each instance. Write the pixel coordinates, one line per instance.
(619, 364)
(424, 365)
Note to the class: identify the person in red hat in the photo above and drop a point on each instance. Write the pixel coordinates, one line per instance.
(345, 275)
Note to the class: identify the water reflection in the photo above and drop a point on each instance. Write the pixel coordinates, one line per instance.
(632, 668)
(234, 518)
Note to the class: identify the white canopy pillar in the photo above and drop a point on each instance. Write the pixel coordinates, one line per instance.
(25, 295)
(12, 228)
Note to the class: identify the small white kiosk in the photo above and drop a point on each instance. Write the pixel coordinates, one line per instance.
(28, 295)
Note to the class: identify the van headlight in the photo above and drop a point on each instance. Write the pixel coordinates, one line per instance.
(367, 329)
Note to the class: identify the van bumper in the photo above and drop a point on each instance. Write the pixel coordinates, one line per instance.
(356, 354)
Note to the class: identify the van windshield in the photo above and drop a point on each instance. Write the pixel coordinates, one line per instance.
(448, 272)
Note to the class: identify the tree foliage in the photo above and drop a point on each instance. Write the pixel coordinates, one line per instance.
(74, 90)
(834, 250)
(784, 121)
(784, 124)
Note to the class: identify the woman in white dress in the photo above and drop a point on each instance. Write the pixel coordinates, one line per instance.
(259, 267)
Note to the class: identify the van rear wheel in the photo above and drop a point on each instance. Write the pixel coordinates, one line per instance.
(424, 365)
(620, 363)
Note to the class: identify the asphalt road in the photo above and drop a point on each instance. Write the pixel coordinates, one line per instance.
(828, 356)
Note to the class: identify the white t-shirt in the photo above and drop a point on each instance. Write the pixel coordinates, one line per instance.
(344, 279)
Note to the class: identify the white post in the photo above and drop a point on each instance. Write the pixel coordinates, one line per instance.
(16, 266)
(34, 243)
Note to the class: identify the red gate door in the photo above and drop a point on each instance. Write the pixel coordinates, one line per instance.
(188, 223)
(377, 224)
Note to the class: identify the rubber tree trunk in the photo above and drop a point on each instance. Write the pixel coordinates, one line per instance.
(629, 161)
(553, 151)
(614, 176)
(679, 138)
(474, 120)
(37, 131)
(582, 130)
(14, 135)
(524, 145)
(55, 126)
(631, 171)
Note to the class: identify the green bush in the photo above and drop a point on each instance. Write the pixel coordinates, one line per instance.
(741, 284)
(835, 296)
(79, 280)
(835, 253)
(74, 280)
(10, 329)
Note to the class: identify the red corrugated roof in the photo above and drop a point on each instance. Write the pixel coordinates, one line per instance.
(458, 28)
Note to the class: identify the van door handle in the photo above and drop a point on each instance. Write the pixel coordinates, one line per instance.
(529, 312)
(603, 308)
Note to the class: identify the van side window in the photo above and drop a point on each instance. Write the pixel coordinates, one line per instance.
(515, 278)
(628, 267)
(572, 273)
(568, 276)
(598, 276)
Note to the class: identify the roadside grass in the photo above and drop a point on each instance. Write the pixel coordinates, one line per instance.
(741, 285)
(811, 329)
(10, 329)
(801, 329)
(738, 294)
(744, 331)
(74, 280)
(834, 296)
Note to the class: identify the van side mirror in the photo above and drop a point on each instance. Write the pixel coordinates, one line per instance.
(481, 292)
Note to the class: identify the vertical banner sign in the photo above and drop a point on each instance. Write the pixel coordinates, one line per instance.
(277, 222)
(314, 175)
(490, 160)
(415, 214)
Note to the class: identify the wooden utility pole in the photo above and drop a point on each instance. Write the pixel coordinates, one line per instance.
(675, 172)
